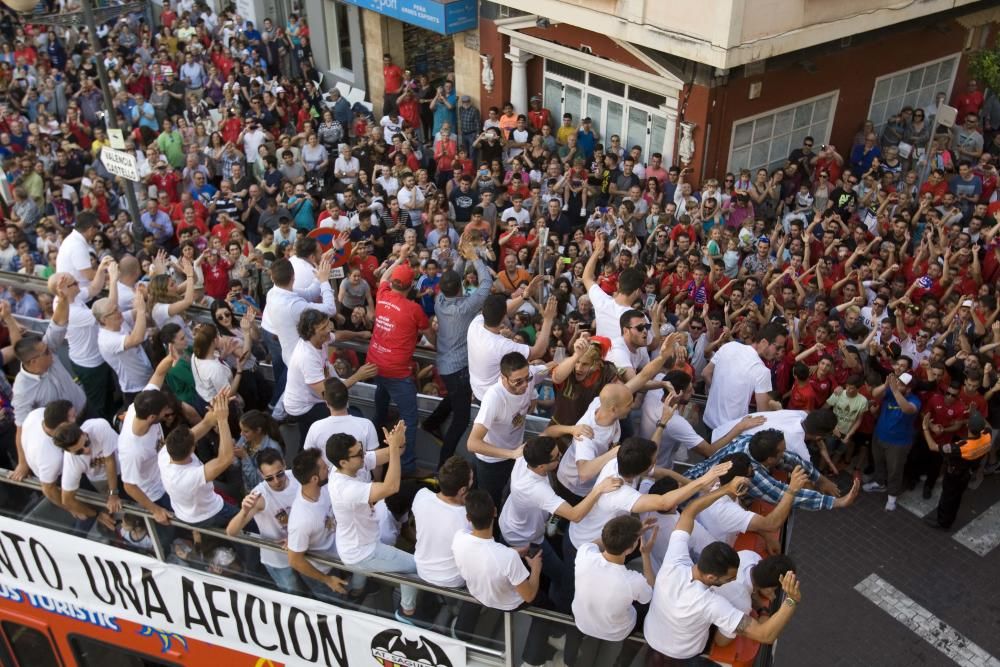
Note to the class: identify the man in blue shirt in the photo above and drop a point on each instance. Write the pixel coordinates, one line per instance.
(157, 223)
(586, 138)
(894, 431)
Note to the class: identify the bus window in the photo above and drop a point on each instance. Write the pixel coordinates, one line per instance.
(31, 647)
(92, 653)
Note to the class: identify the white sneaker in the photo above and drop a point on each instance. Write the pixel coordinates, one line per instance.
(583, 211)
(890, 504)
(558, 643)
(874, 487)
(565, 207)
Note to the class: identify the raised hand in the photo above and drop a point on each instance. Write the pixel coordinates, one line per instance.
(396, 438)
(798, 480)
(323, 270)
(647, 542)
(715, 472)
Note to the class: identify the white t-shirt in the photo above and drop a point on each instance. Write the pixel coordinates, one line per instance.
(491, 571)
(44, 459)
(210, 377)
(788, 422)
(587, 449)
(308, 365)
(357, 525)
(678, 432)
(74, 257)
(503, 414)
(103, 443)
(739, 591)
(608, 313)
(485, 351)
(624, 358)
(132, 365)
(272, 521)
(407, 197)
(81, 336)
(361, 429)
(725, 519)
(700, 538)
(438, 522)
(137, 454)
(192, 496)
(161, 317)
(610, 505)
(528, 507)
(523, 216)
(312, 527)
(683, 609)
(739, 374)
(605, 591)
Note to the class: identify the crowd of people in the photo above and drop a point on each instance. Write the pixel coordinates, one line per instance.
(839, 311)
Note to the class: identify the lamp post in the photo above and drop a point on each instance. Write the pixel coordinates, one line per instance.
(88, 17)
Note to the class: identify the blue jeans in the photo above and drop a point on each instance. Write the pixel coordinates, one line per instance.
(403, 393)
(220, 519)
(322, 592)
(388, 559)
(277, 363)
(286, 579)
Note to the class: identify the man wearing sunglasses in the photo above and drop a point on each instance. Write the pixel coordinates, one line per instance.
(268, 505)
(89, 449)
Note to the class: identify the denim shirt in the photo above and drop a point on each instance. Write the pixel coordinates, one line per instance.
(454, 315)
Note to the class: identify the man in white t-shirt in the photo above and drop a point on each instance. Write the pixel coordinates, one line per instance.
(609, 309)
(361, 429)
(798, 426)
(678, 431)
(89, 450)
(757, 581)
(188, 481)
(487, 346)
(497, 435)
(139, 441)
(606, 590)
(45, 459)
(629, 352)
(121, 344)
(353, 502)
(268, 505)
(737, 374)
(666, 521)
(685, 605)
(726, 519)
(76, 256)
(312, 527)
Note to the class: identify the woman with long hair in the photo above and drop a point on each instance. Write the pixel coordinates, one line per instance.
(254, 389)
(165, 303)
(211, 376)
(180, 380)
(257, 433)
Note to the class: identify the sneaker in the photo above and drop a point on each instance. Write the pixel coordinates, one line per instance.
(565, 207)
(874, 487)
(403, 618)
(583, 211)
(890, 504)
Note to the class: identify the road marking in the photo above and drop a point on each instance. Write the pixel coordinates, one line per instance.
(926, 625)
(982, 534)
(914, 501)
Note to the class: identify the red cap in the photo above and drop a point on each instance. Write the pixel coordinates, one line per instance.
(404, 274)
(604, 342)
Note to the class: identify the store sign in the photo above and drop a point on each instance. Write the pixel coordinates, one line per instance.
(443, 16)
(89, 580)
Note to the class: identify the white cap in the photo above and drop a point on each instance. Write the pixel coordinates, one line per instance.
(967, 303)
(905, 378)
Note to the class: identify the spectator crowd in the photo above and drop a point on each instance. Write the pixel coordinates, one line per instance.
(838, 311)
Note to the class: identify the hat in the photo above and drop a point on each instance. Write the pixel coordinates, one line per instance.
(603, 342)
(402, 274)
(967, 303)
(465, 98)
(976, 423)
(763, 239)
(905, 378)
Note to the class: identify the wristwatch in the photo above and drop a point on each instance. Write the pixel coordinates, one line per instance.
(661, 424)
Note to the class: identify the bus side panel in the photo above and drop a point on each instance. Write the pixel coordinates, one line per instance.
(62, 620)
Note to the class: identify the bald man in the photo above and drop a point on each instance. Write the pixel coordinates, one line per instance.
(85, 357)
(120, 343)
(129, 272)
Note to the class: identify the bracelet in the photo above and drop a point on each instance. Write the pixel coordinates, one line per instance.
(790, 602)
(661, 424)
(113, 492)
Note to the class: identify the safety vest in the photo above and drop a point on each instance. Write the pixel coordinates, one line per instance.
(976, 449)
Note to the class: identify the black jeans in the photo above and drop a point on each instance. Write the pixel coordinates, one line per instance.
(494, 478)
(458, 403)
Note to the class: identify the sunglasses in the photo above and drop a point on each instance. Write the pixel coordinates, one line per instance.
(641, 328)
(275, 477)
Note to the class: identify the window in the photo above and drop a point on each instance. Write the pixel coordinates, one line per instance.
(31, 647)
(914, 87)
(343, 36)
(766, 140)
(93, 653)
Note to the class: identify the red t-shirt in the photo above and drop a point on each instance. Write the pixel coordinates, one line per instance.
(398, 323)
(946, 415)
(216, 278)
(822, 386)
(393, 78)
(803, 397)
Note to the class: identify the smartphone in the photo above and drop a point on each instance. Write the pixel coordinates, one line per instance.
(567, 260)
(533, 549)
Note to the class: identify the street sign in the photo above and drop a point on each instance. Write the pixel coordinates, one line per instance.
(120, 163)
(946, 115)
(117, 139)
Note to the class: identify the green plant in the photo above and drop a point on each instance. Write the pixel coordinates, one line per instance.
(984, 65)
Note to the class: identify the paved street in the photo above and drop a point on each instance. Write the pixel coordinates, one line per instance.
(927, 585)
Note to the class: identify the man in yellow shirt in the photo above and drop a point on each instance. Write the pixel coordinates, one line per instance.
(565, 130)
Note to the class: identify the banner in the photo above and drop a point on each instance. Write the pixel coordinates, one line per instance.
(216, 610)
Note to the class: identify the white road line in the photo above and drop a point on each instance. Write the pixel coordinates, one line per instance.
(926, 625)
(982, 534)
(914, 501)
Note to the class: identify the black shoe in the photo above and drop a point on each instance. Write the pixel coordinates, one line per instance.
(931, 520)
(928, 491)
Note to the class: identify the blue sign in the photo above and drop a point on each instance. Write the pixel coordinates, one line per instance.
(442, 16)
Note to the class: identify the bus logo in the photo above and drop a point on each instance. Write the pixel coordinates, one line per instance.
(391, 648)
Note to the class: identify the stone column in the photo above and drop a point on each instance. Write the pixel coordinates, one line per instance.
(518, 78)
